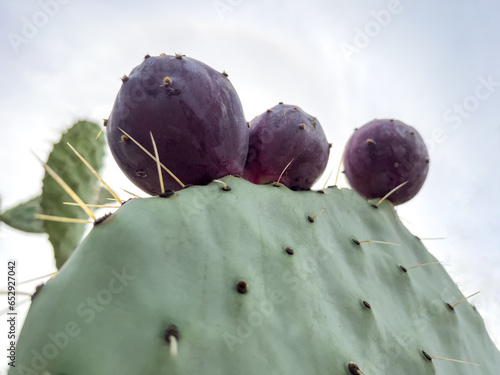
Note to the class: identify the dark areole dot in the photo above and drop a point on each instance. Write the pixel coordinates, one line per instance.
(171, 330)
(242, 287)
(167, 194)
(354, 369)
(426, 355)
(37, 290)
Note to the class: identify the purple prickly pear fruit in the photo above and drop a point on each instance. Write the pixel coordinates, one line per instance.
(286, 135)
(194, 115)
(383, 154)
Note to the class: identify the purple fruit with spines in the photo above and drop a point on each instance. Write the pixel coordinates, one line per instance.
(284, 134)
(194, 114)
(383, 154)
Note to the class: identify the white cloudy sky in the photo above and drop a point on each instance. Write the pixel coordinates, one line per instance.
(434, 65)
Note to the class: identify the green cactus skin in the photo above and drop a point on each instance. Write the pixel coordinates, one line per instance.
(177, 263)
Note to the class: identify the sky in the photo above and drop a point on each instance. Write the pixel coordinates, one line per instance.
(434, 65)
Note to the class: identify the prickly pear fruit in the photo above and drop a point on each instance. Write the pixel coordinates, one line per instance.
(218, 281)
(383, 154)
(194, 115)
(284, 134)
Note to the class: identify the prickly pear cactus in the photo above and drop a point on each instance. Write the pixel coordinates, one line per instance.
(254, 279)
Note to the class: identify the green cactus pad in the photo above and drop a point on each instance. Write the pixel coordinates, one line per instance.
(82, 136)
(249, 285)
(22, 216)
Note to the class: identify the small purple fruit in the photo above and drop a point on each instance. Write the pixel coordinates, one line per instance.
(382, 155)
(194, 114)
(284, 134)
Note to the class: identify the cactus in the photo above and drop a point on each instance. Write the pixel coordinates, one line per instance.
(245, 278)
(228, 277)
(194, 115)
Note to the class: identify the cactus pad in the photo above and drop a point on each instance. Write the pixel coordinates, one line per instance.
(213, 281)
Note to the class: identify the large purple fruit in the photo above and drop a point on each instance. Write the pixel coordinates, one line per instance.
(280, 135)
(194, 114)
(383, 154)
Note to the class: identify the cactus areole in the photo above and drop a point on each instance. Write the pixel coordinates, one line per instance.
(194, 115)
(383, 154)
